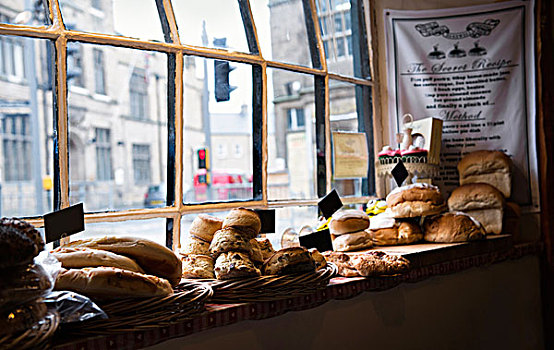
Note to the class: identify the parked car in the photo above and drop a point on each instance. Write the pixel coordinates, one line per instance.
(155, 196)
(225, 185)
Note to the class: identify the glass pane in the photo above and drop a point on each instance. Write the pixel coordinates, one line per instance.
(105, 130)
(222, 128)
(221, 19)
(344, 117)
(26, 114)
(288, 223)
(291, 135)
(23, 12)
(282, 31)
(153, 229)
(112, 17)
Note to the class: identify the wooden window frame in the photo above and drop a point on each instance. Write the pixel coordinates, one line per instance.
(60, 35)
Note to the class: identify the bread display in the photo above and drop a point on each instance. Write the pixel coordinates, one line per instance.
(231, 265)
(482, 201)
(20, 242)
(319, 259)
(229, 239)
(152, 257)
(266, 247)
(197, 266)
(452, 227)
(244, 220)
(385, 230)
(204, 226)
(419, 199)
(352, 241)
(195, 245)
(289, 261)
(374, 263)
(348, 221)
(112, 283)
(87, 257)
(492, 167)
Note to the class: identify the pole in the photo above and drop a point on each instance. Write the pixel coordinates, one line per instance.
(206, 115)
(35, 143)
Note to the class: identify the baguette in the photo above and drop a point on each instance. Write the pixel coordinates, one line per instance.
(77, 258)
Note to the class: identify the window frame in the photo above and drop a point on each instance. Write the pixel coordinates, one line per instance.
(57, 32)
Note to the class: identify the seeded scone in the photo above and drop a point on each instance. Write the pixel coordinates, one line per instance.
(288, 261)
(198, 266)
(266, 247)
(229, 239)
(230, 265)
(195, 245)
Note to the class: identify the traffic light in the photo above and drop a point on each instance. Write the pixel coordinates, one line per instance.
(203, 158)
(222, 87)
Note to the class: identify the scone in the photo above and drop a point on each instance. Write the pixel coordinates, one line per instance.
(319, 259)
(288, 261)
(256, 252)
(246, 221)
(266, 248)
(195, 245)
(197, 266)
(230, 265)
(204, 226)
(229, 239)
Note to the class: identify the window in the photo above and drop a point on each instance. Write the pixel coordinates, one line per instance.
(103, 155)
(295, 118)
(16, 143)
(141, 164)
(12, 57)
(75, 73)
(340, 22)
(99, 78)
(97, 4)
(138, 94)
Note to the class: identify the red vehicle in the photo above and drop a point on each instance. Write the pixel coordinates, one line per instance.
(225, 185)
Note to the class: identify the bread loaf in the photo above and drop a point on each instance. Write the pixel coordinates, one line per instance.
(112, 283)
(230, 265)
(75, 258)
(246, 221)
(492, 167)
(385, 230)
(348, 221)
(452, 227)
(204, 226)
(152, 257)
(415, 200)
(288, 261)
(352, 241)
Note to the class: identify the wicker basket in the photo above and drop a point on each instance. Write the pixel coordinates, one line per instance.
(267, 288)
(128, 315)
(37, 337)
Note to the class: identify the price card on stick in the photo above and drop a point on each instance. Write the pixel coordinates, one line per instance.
(321, 239)
(64, 222)
(267, 217)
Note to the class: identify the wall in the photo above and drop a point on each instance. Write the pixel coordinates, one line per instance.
(494, 307)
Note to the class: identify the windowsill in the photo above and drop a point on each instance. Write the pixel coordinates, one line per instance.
(427, 260)
(13, 79)
(102, 98)
(79, 90)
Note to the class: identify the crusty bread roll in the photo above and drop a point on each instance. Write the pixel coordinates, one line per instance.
(112, 283)
(352, 241)
(348, 221)
(385, 230)
(452, 227)
(204, 226)
(492, 167)
(15, 248)
(245, 220)
(319, 259)
(154, 258)
(195, 245)
(27, 229)
(419, 199)
(229, 239)
(76, 258)
(256, 254)
(266, 247)
(230, 265)
(482, 201)
(198, 266)
(289, 261)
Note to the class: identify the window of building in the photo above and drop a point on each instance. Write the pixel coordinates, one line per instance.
(75, 72)
(16, 143)
(339, 20)
(99, 73)
(138, 94)
(97, 4)
(295, 119)
(103, 155)
(11, 57)
(141, 164)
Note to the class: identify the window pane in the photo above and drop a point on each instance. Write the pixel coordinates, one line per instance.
(16, 12)
(291, 136)
(112, 17)
(213, 125)
(105, 130)
(25, 159)
(344, 117)
(222, 19)
(152, 229)
(282, 31)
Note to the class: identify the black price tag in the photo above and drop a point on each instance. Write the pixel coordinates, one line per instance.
(64, 223)
(321, 240)
(267, 216)
(399, 173)
(330, 204)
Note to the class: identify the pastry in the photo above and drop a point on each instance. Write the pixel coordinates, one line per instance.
(195, 245)
(230, 265)
(229, 239)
